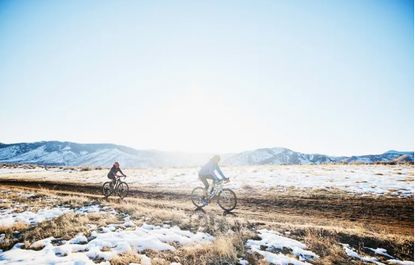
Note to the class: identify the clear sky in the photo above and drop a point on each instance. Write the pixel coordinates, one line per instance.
(332, 77)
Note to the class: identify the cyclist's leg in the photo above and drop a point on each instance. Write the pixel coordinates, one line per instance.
(212, 185)
(113, 181)
(204, 181)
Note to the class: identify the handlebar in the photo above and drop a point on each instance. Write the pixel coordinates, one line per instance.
(223, 181)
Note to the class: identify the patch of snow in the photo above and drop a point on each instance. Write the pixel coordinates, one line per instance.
(94, 208)
(352, 253)
(79, 239)
(128, 222)
(273, 242)
(19, 256)
(66, 148)
(41, 243)
(280, 259)
(400, 262)
(8, 218)
(79, 250)
(145, 260)
(243, 262)
(381, 251)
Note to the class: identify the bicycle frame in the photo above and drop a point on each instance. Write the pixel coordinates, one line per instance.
(117, 182)
(217, 188)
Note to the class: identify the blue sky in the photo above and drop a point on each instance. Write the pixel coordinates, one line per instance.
(333, 77)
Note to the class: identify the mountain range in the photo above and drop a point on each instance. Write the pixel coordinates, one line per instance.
(76, 154)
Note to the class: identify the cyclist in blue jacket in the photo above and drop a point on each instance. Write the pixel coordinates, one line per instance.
(211, 171)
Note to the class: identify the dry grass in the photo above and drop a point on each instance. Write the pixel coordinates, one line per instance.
(125, 258)
(9, 239)
(327, 247)
(74, 201)
(65, 226)
(224, 250)
(19, 226)
(153, 215)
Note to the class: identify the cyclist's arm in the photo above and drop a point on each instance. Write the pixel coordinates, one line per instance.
(220, 172)
(119, 170)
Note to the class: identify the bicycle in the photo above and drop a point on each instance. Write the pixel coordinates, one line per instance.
(120, 188)
(226, 198)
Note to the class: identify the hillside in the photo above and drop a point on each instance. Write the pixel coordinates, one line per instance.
(76, 154)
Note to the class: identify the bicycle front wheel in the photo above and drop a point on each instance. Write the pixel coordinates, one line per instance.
(198, 197)
(123, 190)
(227, 200)
(106, 189)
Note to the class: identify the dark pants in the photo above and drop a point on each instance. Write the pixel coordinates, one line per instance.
(205, 182)
(112, 177)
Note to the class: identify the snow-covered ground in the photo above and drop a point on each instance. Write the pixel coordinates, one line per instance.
(394, 180)
(103, 244)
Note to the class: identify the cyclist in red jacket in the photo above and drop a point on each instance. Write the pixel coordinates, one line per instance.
(113, 173)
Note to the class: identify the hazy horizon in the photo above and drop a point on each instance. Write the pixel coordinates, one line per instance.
(201, 152)
(328, 77)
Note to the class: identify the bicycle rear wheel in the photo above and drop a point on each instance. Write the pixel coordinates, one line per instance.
(198, 197)
(106, 189)
(227, 200)
(123, 190)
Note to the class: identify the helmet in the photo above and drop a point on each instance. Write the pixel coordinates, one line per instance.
(116, 164)
(215, 158)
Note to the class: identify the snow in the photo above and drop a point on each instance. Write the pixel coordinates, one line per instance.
(351, 252)
(400, 262)
(272, 242)
(8, 217)
(394, 180)
(380, 251)
(280, 259)
(79, 239)
(18, 256)
(242, 262)
(79, 250)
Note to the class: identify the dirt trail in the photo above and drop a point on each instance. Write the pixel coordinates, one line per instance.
(395, 213)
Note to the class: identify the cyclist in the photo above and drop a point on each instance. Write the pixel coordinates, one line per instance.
(113, 173)
(211, 171)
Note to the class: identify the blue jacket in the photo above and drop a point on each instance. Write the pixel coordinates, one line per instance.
(209, 170)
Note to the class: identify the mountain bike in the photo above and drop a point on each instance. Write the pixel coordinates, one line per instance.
(226, 198)
(120, 188)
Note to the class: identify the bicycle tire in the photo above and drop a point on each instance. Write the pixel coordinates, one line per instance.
(123, 190)
(232, 197)
(198, 195)
(106, 189)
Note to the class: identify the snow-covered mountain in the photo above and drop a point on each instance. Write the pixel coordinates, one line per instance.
(284, 156)
(276, 156)
(75, 154)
